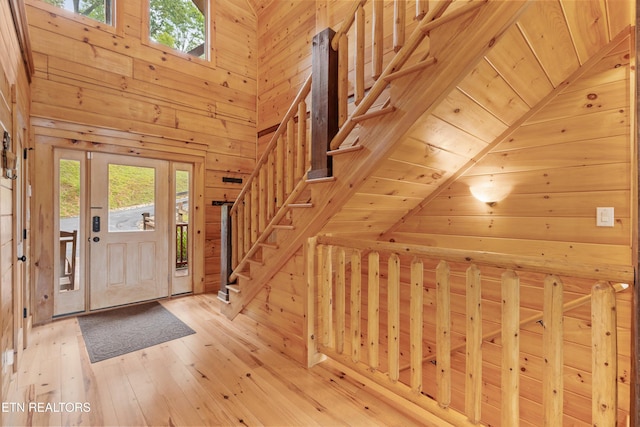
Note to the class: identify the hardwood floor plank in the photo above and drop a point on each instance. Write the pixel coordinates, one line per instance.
(222, 375)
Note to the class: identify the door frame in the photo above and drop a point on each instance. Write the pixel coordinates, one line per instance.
(106, 141)
(115, 254)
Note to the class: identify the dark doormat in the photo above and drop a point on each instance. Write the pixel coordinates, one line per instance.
(113, 333)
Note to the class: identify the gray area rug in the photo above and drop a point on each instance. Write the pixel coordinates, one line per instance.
(113, 333)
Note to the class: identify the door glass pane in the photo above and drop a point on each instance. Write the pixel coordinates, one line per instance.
(131, 198)
(69, 214)
(182, 222)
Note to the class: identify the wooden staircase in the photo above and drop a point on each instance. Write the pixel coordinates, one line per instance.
(272, 218)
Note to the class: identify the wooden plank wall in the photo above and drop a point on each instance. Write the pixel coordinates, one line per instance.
(14, 101)
(94, 79)
(576, 154)
(285, 33)
(278, 310)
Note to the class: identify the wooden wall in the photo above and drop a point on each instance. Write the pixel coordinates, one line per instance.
(106, 88)
(573, 156)
(14, 114)
(577, 154)
(285, 34)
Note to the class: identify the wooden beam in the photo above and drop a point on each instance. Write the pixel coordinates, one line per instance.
(604, 405)
(356, 299)
(326, 300)
(310, 331)
(378, 35)
(443, 335)
(340, 310)
(324, 102)
(552, 350)
(393, 315)
(473, 378)
(634, 409)
(416, 324)
(399, 25)
(373, 310)
(510, 378)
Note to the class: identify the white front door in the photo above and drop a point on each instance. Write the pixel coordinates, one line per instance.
(128, 229)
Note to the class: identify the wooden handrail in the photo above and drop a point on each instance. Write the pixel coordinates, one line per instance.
(432, 20)
(346, 25)
(568, 306)
(300, 187)
(293, 110)
(331, 303)
(615, 273)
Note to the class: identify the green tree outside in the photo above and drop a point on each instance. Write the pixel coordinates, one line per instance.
(178, 24)
(100, 10)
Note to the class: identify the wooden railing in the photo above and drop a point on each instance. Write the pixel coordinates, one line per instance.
(279, 177)
(347, 283)
(274, 184)
(182, 245)
(410, 56)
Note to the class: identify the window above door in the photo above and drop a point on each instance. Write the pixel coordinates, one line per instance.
(181, 25)
(98, 10)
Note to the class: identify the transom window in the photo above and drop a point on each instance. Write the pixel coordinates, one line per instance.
(180, 25)
(100, 10)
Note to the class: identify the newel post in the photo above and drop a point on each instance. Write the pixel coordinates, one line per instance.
(225, 250)
(324, 103)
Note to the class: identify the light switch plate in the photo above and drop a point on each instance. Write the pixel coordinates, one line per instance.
(604, 217)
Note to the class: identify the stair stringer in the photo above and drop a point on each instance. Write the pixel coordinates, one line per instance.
(461, 44)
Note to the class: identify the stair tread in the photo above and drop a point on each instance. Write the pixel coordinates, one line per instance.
(319, 180)
(268, 245)
(373, 114)
(244, 275)
(223, 300)
(345, 150)
(284, 227)
(234, 288)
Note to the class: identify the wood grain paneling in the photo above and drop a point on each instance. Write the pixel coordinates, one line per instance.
(14, 114)
(126, 92)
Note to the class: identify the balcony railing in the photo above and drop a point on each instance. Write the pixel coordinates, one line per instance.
(417, 320)
(182, 245)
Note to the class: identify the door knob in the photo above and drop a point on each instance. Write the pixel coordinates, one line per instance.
(96, 239)
(22, 258)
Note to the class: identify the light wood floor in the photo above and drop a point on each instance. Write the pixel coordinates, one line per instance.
(222, 375)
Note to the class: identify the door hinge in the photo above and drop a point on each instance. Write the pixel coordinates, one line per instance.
(24, 313)
(24, 234)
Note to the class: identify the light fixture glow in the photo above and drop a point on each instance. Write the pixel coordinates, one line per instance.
(490, 193)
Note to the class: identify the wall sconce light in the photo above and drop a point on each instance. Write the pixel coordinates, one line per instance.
(8, 158)
(490, 193)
